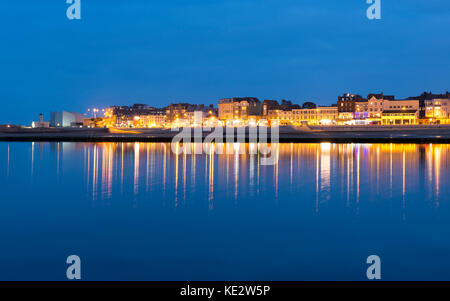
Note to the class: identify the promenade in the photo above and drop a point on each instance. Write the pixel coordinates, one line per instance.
(301, 134)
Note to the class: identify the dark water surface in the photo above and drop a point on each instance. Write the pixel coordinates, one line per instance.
(137, 211)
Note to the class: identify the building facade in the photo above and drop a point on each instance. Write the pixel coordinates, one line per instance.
(375, 105)
(437, 111)
(268, 105)
(317, 116)
(239, 108)
(66, 119)
(150, 121)
(347, 102)
(400, 117)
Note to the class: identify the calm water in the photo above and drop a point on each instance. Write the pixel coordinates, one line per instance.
(136, 211)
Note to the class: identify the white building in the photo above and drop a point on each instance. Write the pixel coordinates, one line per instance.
(66, 119)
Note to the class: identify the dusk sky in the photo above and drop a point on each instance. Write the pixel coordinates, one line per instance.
(157, 52)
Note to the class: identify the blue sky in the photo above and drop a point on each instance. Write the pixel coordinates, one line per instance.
(156, 52)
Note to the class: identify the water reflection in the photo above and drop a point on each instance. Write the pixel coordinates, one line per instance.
(303, 172)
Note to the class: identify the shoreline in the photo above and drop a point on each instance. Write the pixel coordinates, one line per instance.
(287, 134)
(281, 140)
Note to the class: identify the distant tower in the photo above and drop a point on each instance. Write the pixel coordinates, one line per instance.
(41, 118)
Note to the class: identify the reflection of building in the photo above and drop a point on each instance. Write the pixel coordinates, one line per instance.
(41, 123)
(239, 108)
(66, 119)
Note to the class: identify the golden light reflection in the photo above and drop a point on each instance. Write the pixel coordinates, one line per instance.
(403, 176)
(136, 167)
(121, 169)
(357, 174)
(347, 170)
(184, 176)
(276, 166)
(107, 169)
(236, 169)
(390, 170)
(164, 169)
(317, 180)
(177, 154)
(194, 165)
(290, 167)
(437, 164)
(110, 170)
(88, 166)
(325, 169)
(211, 176)
(378, 170)
(95, 173)
(348, 176)
(147, 177)
(404, 184)
(252, 168)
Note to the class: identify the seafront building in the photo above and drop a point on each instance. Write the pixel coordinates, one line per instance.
(238, 110)
(375, 106)
(66, 119)
(438, 110)
(350, 109)
(317, 116)
(185, 114)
